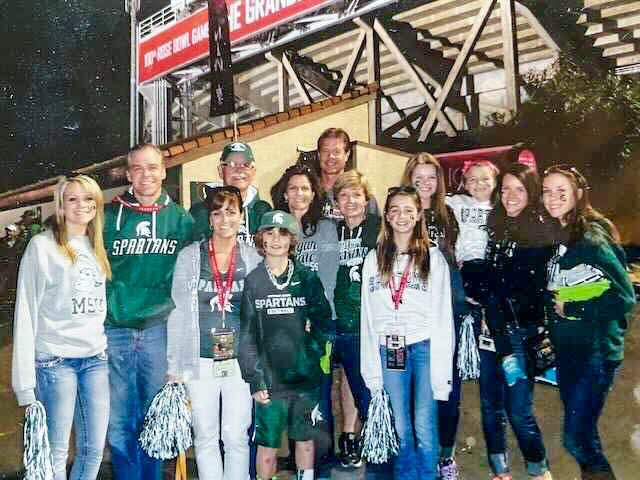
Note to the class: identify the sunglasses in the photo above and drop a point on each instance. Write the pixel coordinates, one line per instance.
(565, 168)
(402, 189)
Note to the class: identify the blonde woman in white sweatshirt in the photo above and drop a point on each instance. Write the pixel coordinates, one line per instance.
(59, 344)
(407, 331)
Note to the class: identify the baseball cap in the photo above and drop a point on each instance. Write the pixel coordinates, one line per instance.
(238, 147)
(279, 219)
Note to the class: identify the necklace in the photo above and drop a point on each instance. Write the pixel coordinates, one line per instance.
(280, 286)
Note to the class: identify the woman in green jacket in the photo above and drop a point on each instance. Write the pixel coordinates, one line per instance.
(591, 298)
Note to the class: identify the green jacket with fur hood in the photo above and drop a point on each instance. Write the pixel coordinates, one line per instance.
(597, 324)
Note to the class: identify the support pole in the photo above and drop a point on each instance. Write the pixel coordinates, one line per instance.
(132, 7)
(510, 54)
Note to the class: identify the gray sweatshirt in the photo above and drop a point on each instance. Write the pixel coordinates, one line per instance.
(320, 252)
(183, 327)
(60, 308)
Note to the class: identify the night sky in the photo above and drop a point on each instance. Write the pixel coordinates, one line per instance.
(64, 85)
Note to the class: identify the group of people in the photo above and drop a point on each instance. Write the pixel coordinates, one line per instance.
(12, 245)
(252, 308)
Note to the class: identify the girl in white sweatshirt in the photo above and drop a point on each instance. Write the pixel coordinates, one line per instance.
(59, 344)
(407, 331)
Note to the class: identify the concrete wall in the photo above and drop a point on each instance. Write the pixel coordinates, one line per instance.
(276, 152)
(383, 168)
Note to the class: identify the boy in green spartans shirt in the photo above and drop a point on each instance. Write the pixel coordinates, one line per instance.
(143, 233)
(285, 320)
(237, 168)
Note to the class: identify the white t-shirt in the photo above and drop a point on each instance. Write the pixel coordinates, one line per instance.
(472, 221)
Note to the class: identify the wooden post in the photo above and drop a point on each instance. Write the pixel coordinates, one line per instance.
(283, 83)
(461, 60)
(510, 55)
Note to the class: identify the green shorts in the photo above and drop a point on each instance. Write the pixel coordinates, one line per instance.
(291, 411)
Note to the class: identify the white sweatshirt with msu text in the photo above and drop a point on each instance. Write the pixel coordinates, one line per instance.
(424, 314)
(60, 308)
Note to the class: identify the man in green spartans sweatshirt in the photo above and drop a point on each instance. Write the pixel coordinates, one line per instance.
(237, 168)
(144, 231)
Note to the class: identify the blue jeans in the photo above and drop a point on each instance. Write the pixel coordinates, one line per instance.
(497, 398)
(75, 391)
(415, 412)
(347, 353)
(137, 369)
(584, 384)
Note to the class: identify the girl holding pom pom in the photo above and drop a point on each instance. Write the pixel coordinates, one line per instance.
(406, 331)
(59, 343)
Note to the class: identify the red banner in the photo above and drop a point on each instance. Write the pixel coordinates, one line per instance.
(187, 40)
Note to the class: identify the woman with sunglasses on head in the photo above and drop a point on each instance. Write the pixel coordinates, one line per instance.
(203, 337)
(591, 298)
(425, 173)
(406, 331)
(517, 253)
(298, 192)
(59, 342)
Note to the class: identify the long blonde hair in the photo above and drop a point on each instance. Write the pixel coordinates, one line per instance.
(442, 214)
(94, 229)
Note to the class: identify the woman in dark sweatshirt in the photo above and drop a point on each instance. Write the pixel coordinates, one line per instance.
(517, 253)
(588, 312)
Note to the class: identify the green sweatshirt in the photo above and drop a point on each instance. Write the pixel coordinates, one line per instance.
(354, 246)
(597, 324)
(283, 332)
(142, 249)
(254, 208)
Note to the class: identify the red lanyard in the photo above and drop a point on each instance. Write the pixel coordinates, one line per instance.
(396, 293)
(138, 208)
(217, 276)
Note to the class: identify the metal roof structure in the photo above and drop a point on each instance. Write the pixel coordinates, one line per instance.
(410, 48)
(614, 26)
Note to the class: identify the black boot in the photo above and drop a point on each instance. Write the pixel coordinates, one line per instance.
(354, 449)
(343, 454)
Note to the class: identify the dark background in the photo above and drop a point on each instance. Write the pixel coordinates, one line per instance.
(64, 80)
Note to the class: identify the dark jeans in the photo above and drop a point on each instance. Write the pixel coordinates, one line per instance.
(449, 411)
(584, 384)
(516, 401)
(346, 351)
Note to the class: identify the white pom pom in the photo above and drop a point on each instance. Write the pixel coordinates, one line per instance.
(379, 437)
(167, 425)
(37, 454)
(468, 355)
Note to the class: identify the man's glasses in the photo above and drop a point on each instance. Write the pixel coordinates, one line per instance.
(238, 165)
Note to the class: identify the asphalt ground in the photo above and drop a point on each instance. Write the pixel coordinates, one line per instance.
(619, 423)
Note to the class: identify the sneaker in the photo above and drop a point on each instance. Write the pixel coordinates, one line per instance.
(448, 469)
